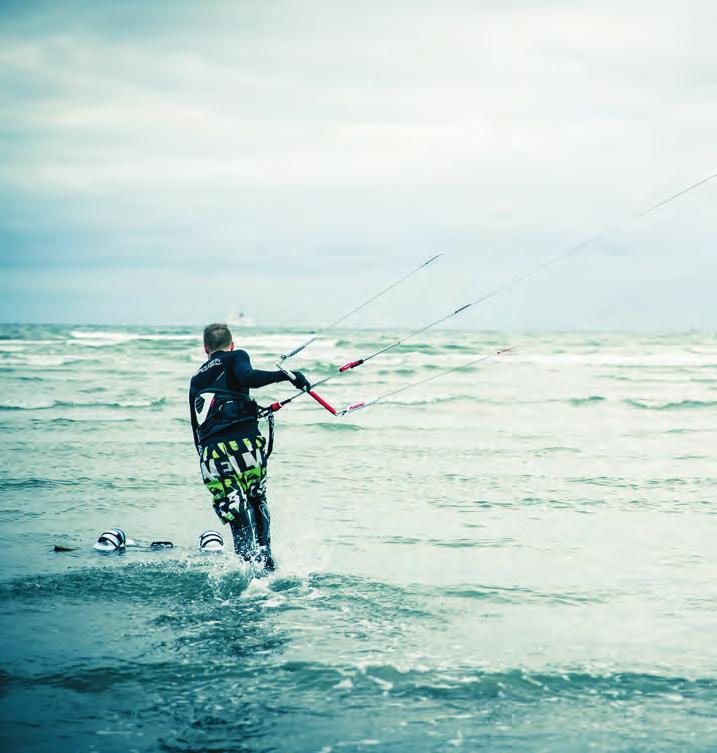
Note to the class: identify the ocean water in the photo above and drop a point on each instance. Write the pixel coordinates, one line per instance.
(516, 557)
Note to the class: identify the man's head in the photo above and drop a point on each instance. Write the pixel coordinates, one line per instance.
(217, 337)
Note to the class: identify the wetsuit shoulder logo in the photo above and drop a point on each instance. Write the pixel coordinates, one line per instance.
(207, 366)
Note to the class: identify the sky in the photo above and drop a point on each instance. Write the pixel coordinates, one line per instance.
(168, 162)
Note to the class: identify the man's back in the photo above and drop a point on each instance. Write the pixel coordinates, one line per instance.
(219, 402)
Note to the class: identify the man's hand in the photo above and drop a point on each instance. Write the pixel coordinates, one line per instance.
(300, 381)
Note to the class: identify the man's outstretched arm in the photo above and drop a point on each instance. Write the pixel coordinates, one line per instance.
(252, 378)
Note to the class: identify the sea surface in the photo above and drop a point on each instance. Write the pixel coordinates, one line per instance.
(518, 556)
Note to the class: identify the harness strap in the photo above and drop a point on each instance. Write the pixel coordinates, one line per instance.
(268, 414)
(270, 441)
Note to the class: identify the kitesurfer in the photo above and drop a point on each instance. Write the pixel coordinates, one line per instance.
(232, 450)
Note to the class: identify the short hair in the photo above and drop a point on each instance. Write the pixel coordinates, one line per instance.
(217, 336)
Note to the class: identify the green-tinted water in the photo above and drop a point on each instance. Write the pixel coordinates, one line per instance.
(515, 557)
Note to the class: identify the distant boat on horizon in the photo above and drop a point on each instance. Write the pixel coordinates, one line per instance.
(239, 320)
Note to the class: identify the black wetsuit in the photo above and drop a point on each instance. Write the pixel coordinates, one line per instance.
(232, 450)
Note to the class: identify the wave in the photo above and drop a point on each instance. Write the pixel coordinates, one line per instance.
(100, 422)
(153, 404)
(517, 594)
(407, 372)
(425, 348)
(466, 686)
(556, 449)
(336, 426)
(443, 399)
(104, 582)
(46, 362)
(680, 405)
(497, 701)
(471, 543)
(687, 378)
(25, 406)
(21, 377)
(609, 481)
(100, 338)
(44, 483)
(577, 401)
(201, 596)
(14, 341)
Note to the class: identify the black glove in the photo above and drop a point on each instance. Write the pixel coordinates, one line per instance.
(300, 381)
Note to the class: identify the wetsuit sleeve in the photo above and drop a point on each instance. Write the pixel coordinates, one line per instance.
(246, 376)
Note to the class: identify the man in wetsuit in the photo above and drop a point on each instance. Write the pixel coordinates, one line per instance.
(232, 451)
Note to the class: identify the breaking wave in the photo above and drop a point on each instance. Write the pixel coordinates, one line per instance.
(678, 405)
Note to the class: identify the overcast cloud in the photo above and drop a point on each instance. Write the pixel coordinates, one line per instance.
(169, 161)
